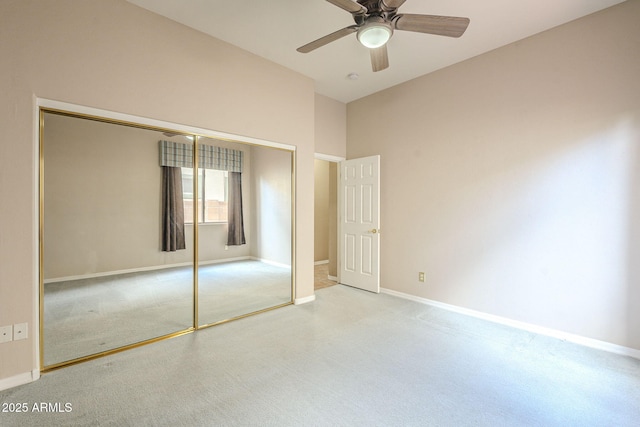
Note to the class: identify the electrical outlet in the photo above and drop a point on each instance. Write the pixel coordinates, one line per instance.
(6, 333)
(421, 276)
(20, 331)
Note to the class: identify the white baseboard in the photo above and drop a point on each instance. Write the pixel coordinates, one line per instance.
(20, 379)
(334, 278)
(576, 339)
(326, 261)
(266, 261)
(142, 269)
(304, 300)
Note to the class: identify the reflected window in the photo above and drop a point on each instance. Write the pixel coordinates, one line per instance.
(213, 195)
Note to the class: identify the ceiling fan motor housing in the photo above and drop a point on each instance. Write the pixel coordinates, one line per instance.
(377, 6)
(374, 8)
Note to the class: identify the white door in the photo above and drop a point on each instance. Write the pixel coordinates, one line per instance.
(359, 229)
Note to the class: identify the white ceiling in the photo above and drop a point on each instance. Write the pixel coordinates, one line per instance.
(273, 29)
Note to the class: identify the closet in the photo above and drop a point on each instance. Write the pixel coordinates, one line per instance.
(150, 232)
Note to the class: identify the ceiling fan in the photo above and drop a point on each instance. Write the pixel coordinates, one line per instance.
(377, 19)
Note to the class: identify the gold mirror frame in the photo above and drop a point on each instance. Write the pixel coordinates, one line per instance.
(195, 261)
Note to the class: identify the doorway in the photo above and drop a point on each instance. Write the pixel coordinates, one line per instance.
(347, 222)
(326, 221)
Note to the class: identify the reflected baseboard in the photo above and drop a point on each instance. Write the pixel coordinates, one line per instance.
(143, 269)
(267, 261)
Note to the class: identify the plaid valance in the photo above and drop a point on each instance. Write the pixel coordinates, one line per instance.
(224, 159)
(178, 154)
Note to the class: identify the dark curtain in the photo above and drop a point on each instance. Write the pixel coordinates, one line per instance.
(235, 235)
(172, 210)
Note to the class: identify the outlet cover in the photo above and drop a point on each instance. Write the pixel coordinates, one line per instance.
(6, 333)
(20, 331)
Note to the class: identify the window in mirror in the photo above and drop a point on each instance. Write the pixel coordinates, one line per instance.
(212, 192)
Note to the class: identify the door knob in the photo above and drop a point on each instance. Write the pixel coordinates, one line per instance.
(374, 230)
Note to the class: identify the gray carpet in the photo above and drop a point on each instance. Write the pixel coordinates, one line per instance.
(351, 358)
(88, 316)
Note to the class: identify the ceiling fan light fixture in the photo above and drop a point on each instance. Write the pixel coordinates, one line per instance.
(375, 22)
(374, 34)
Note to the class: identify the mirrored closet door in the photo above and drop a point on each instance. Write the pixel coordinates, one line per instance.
(122, 207)
(244, 243)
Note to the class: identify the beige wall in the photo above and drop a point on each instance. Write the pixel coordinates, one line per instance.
(512, 179)
(321, 211)
(326, 214)
(115, 56)
(330, 126)
(271, 183)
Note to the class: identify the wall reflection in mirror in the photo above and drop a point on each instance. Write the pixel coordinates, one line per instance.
(119, 205)
(253, 185)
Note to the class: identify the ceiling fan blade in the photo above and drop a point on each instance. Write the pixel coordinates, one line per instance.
(379, 58)
(327, 39)
(449, 26)
(392, 4)
(349, 6)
